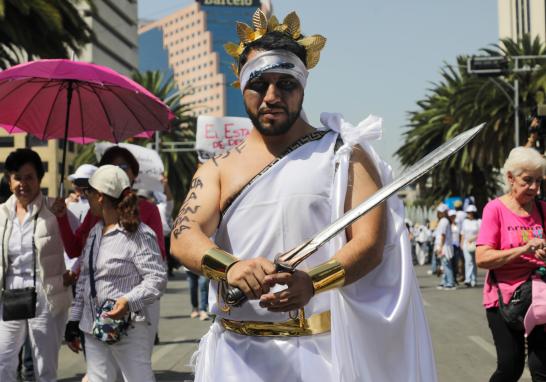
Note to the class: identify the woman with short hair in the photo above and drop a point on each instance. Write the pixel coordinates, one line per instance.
(511, 247)
(32, 257)
(121, 263)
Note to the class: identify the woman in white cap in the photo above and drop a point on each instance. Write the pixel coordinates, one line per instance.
(511, 247)
(122, 274)
(469, 234)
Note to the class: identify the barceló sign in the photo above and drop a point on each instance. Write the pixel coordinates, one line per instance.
(231, 3)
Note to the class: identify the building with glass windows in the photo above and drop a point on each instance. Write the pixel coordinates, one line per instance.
(114, 44)
(188, 44)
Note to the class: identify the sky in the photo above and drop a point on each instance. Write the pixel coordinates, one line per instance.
(381, 56)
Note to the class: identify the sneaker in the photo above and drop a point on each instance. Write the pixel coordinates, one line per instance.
(203, 316)
(194, 314)
(440, 287)
(449, 288)
(429, 272)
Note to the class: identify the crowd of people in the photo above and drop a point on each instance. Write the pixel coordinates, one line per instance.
(448, 244)
(89, 268)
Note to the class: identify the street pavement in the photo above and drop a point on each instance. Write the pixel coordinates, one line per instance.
(462, 342)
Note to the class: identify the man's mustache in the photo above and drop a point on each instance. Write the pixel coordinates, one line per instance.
(274, 109)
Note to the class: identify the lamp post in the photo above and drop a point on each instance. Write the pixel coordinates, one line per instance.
(495, 66)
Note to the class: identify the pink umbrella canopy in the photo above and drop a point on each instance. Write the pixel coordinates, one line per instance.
(104, 105)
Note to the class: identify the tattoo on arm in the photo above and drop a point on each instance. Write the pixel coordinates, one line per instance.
(188, 209)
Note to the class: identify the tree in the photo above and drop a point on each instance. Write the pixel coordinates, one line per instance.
(460, 101)
(179, 166)
(40, 28)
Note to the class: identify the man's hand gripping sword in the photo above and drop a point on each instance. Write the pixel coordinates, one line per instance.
(287, 262)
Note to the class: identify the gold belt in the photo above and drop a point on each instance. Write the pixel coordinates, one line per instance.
(296, 327)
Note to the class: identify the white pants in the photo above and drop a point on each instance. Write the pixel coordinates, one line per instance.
(129, 355)
(45, 331)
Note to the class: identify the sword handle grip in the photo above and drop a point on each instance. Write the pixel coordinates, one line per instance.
(234, 297)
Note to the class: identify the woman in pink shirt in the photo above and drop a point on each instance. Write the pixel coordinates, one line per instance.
(511, 245)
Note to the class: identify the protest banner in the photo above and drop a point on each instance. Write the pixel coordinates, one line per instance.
(216, 135)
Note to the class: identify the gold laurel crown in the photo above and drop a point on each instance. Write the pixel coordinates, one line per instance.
(261, 26)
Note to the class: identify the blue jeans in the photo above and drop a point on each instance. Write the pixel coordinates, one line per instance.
(203, 283)
(447, 278)
(470, 267)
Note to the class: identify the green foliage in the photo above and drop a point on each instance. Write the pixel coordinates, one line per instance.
(179, 166)
(460, 101)
(40, 28)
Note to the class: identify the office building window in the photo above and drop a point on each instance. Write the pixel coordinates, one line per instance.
(6, 141)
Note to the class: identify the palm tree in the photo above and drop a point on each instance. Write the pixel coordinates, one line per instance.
(460, 101)
(40, 28)
(179, 166)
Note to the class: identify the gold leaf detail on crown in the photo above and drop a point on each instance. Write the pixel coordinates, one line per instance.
(315, 42)
(292, 21)
(261, 26)
(233, 49)
(313, 58)
(272, 23)
(259, 21)
(246, 33)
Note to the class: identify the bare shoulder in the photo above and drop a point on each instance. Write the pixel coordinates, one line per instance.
(222, 160)
(363, 165)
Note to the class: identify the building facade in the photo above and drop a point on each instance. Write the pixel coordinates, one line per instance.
(188, 44)
(519, 17)
(115, 44)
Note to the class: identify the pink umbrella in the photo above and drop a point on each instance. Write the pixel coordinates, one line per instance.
(63, 99)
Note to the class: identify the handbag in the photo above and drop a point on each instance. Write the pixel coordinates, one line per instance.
(19, 304)
(514, 311)
(105, 328)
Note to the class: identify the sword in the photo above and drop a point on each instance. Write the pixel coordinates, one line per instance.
(288, 261)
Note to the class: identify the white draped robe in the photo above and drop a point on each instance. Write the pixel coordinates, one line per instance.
(379, 330)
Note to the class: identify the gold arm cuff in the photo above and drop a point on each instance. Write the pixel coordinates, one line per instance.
(316, 324)
(326, 276)
(216, 262)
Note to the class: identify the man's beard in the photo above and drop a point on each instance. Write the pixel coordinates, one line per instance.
(275, 130)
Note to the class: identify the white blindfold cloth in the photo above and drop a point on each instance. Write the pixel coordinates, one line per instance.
(274, 61)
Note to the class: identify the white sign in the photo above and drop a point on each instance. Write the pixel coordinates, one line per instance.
(216, 135)
(151, 165)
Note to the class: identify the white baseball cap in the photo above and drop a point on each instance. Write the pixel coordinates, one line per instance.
(82, 174)
(451, 213)
(442, 208)
(110, 180)
(471, 208)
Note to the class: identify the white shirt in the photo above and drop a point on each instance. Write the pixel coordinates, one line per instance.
(444, 228)
(20, 256)
(470, 229)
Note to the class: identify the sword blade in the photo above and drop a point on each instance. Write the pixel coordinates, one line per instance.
(293, 258)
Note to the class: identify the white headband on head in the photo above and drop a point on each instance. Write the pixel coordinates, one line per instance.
(274, 61)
